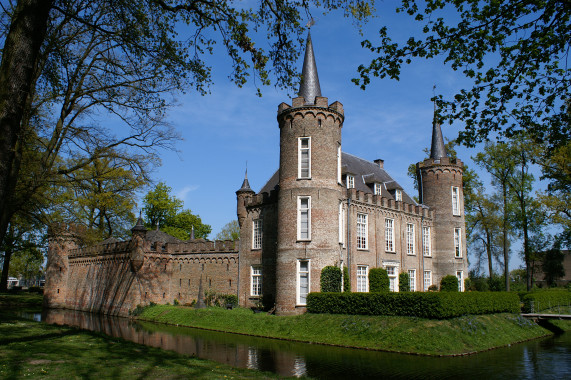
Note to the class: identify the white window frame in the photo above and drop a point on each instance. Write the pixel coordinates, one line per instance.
(426, 251)
(390, 235)
(256, 280)
(299, 277)
(362, 278)
(339, 180)
(362, 231)
(398, 195)
(257, 234)
(457, 242)
(378, 188)
(299, 157)
(350, 181)
(427, 278)
(412, 279)
(300, 214)
(393, 272)
(455, 200)
(410, 246)
(460, 277)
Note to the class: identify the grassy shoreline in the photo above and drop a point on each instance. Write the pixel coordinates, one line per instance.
(451, 337)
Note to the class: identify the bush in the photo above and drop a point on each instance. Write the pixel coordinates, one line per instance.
(414, 304)
(537, 301)
(218, 299)
(378, 280)
(496, 283)
(346, 280)
(404, 282)
(433, 288)
(449, 284)
(330, 279)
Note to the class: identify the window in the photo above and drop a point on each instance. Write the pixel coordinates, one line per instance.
(378, 188)
(362, 231)
(455, 200)
(410, 239)
(341, 224)
(457, 242)
(412, 279)
(303, 218)
(427, 279)
(257, 234)
(256, 274)
(426, 241)
(362, 278)
(304, 157)
(339, 163)
(302, 281)
(350, 181)
(393, 278)
(390, 235)
(460, 276)
(398, 195)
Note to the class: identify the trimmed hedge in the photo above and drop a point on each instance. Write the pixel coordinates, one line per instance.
(346, 280)
(330, 279)
(545, 299)
(404, 282)
(416, 304)
(449, 284)
(378, 280)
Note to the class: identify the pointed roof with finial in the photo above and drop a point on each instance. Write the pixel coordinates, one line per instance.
(309, 87)
(245, 185)
(437, 149)
(140, 226)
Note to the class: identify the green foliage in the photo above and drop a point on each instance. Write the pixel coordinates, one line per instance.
(378, 280)
(540, 300)
(449, 284)
(230, 231)
(404, 282)
(165, 210)
(433, 288)
(212, 298)
(553, 266)
(414, 304)
(346, 280)
(330, 280)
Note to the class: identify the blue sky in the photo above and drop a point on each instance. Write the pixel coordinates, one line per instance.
(222, 131)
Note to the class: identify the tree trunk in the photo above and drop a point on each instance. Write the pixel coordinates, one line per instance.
(505, 234)
(19, 55)
(8, 250)
(489, 252)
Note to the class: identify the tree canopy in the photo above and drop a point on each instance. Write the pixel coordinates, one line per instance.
(230, 231)
(515, 53)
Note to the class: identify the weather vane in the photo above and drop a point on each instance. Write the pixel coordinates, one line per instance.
(310, 23)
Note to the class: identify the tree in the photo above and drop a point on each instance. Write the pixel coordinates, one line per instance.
(230, 231)
(515, 53)
(27, 263)
(165, 212)
(552, 265)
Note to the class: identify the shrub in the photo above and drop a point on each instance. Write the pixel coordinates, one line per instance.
(537, 301)
(404, 282)
(218, 299)
(449, 284)
(378, 280)
(175, 302)
(414, 304)
(433, 288)
(330, 279)
(346, 280)
(496, 283)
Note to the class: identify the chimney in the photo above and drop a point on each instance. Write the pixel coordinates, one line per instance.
(379, 162)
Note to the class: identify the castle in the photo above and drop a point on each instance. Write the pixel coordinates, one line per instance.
(322, 207)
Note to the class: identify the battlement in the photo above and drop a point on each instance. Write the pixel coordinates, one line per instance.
(66, 229)
(262, 198)
(298, 104)
(203, 246)
(443, 161)
(380, 201)
(101, 249)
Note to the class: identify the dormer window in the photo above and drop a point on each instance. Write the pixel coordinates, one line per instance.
(398, 195)
(377, 188)
(350, 181)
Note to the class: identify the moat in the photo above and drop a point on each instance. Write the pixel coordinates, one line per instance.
(548, 358)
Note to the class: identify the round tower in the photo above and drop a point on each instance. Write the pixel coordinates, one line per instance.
(242, 196)
(309, 190)
(62, 238)
(440, 188)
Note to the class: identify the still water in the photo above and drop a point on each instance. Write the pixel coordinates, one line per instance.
(548, 358)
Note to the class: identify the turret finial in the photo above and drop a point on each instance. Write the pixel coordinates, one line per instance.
(309, 87)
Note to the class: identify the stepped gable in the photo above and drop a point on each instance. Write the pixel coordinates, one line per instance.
(366, 173)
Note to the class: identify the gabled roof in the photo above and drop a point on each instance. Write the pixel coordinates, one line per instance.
(365, 172)
(161, 237)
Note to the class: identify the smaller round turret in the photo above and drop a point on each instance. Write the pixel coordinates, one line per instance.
(244, 193)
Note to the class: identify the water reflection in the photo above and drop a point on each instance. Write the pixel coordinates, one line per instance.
(546, 359)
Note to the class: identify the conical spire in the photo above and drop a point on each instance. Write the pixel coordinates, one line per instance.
(309, 87)
(437, 150)
(246, 184)
(140, 226)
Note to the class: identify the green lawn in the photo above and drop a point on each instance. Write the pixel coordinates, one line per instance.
(399, 334)
(37, 350)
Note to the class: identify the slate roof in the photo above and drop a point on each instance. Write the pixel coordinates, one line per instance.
(366, 174)
(161, 237)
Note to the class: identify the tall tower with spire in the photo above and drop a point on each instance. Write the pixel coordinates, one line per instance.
(309, 189)
(440, 188)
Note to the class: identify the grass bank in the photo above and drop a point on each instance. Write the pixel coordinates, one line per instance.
(37, 350)
(454, 336)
